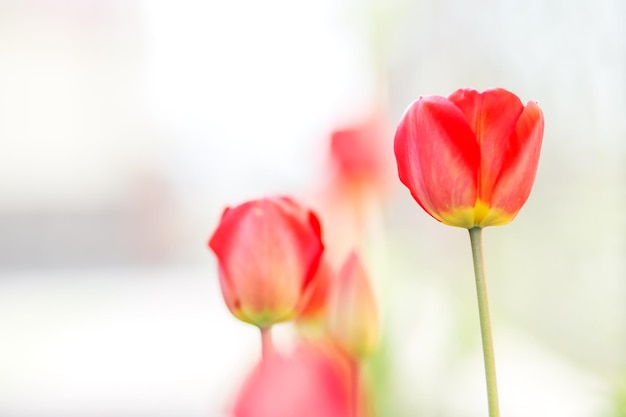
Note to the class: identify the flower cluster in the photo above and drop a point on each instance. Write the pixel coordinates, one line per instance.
(274, 267)
(469, 160)
(272, 270)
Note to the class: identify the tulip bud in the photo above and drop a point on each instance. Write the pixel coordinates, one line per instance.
(268, 251)
(352, 312)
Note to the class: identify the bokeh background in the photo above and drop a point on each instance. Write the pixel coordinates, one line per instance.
(127, 126)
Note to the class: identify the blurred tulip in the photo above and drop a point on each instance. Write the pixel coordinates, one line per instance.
(312, 319)
(361, 172)
(313, 381)
(268, 252)
(352, 311)
(358, 153)
(470, 159)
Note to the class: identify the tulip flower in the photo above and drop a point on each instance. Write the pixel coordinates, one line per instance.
(352, 312)
(313, 381)
(470, 159)
(268, 251)
(360, 174)
(357, 153)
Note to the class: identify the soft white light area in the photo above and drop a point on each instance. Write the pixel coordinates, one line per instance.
(119, 343)
(247, 88)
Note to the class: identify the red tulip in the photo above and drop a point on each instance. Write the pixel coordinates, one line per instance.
(268, 251)
(358, 155)
(313, 381)
(470, 159)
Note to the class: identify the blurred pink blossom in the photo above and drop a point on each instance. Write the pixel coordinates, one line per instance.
(312, 381)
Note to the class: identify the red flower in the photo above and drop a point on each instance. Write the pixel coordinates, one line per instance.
(313, 381)
(268, 251)
(358, 155)
(470, 159)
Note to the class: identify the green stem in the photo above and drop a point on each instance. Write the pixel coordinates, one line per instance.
(485, 321)
(267, 346)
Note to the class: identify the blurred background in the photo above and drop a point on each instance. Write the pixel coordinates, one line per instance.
(127, 126)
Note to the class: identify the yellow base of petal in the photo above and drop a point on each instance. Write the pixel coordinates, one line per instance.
(481, 215)
(264, 318)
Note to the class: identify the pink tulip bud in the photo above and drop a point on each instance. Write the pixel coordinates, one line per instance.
(352, 311)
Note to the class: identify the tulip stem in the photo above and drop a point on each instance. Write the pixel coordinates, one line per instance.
(485, 321)
(267, 345)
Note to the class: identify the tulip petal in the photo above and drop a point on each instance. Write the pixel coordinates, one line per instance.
(314, 297)
(520, 162)
(492, 115)
(438, 158)
(313, 252)
(230, 296)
